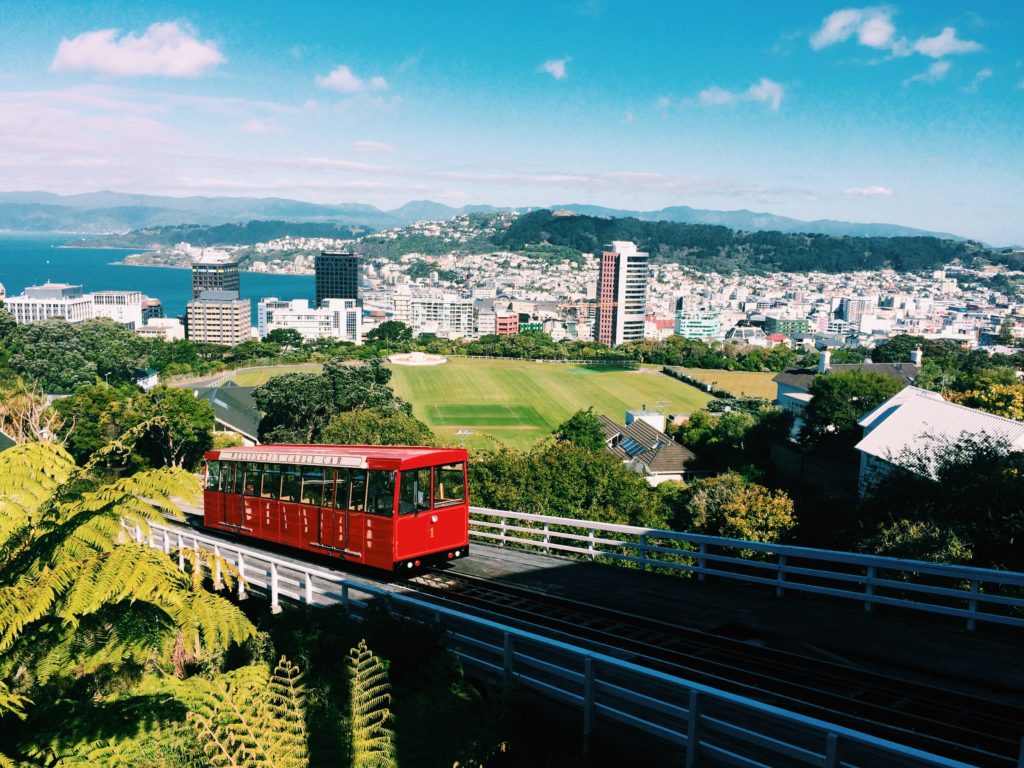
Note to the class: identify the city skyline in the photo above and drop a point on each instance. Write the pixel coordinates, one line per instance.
(907, 114)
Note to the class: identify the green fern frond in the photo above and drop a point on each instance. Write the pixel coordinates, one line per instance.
(373, 741)
(251, 717)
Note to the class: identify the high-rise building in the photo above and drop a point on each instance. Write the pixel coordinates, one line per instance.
(41, 302)
(621, 293)
(337, 276)
(218, 317)
(335, 318)
(214, 274)
(696, 323)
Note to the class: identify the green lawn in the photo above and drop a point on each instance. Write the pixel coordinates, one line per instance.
(258, 376)
(519, 402)
(748, 383)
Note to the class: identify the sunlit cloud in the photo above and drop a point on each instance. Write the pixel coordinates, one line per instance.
(945, 43)
(163, 49)
(873, 191)
(344, 80)
(556, 67)
(375, 146)
(933, 74)
(765, 91)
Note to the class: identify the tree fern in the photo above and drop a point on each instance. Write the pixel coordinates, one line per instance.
(249, 718)
(80, 599)
(373, 741)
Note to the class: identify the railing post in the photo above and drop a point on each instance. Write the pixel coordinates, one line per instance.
(780, 579)
(702, 562)
(309, 588)
(275, 605)
(241, 577)
(972, 605)
(181, 553)
(693, 729)
(503, 531)
(591, 546)
(832, 751)
(138, 533)
(217, 575)
(167, 542)
(643, 551)
(547, 538)
(588, 703)
(869, 590)
(508, 660)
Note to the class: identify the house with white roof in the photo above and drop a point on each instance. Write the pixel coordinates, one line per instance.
(913, 419)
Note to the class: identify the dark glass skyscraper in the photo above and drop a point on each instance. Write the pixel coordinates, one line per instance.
(337, 276)
(211, 274)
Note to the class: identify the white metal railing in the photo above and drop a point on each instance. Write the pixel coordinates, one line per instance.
(709, 724)
(973, 594)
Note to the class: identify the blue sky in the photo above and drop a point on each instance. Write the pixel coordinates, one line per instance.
(910, 113)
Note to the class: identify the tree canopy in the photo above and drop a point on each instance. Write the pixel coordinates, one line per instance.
(838, 402)
(583, 428)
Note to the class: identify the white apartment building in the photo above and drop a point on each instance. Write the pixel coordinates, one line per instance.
(218, 317)
(334, 318)
(124, 307)
(433, 312)
(41, 302)
(166, 328)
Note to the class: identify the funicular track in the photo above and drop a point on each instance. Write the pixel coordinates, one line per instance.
(958, 725)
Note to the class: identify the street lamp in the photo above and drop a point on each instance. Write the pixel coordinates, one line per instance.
(463, 434)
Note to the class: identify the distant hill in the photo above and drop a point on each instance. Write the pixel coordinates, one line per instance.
(250, 233)
(717, 248)
(112, 212)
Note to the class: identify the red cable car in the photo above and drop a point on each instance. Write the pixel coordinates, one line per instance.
(386, 507)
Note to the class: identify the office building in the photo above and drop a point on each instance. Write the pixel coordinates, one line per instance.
(337, 276)
(214, 273)
(621, 293)
(218, 317)
(335, 318)
(696, 323)
(42, 302)
(124, 307)
(433, 312)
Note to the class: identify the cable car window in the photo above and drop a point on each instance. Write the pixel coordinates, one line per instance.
(213, 475)
(415, 491)
(251, 486)
(313, 485)
(449, 484)
(291, 483)
(358, 501)
(271, 481)
(380, 496)
(342, 489)
(233, 473)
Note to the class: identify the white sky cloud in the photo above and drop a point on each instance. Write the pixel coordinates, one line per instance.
(344, 80)
(873, 27)
(933, 74)
(556, 67)
(375, 146)
(979, 77)
(765, 91)
(163, 49)
(873, 191)
(945, 43)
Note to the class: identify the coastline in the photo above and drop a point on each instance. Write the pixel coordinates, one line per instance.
(189, 266)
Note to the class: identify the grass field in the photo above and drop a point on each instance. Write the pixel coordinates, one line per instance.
(748, 383)
(258, 376)
(518, 402)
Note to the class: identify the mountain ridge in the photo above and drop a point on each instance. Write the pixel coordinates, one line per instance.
(106, 212)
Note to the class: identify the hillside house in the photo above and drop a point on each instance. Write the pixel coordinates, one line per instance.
(644, 447)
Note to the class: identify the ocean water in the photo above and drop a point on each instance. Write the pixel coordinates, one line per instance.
(27, 259)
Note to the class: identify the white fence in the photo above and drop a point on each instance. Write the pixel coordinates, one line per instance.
(713, 727)
(973, 594)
